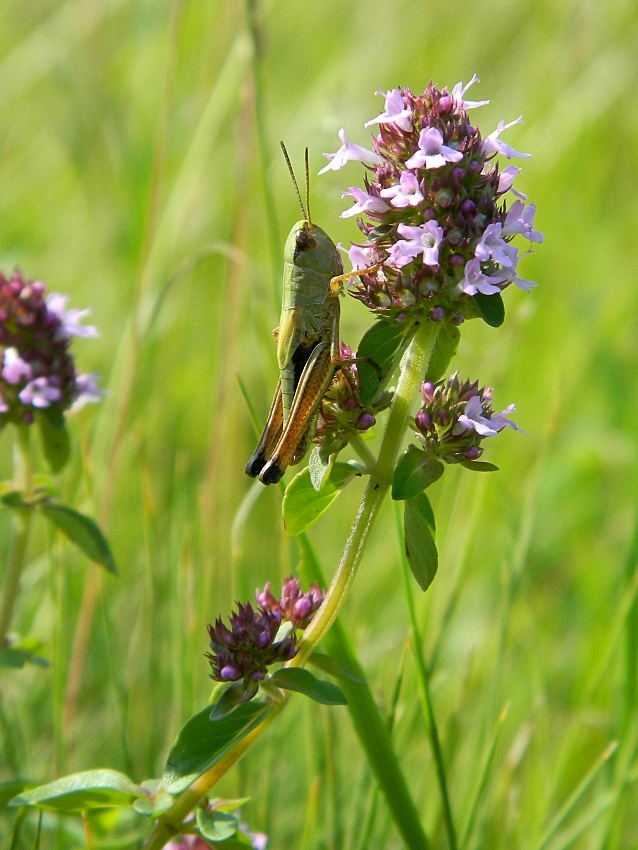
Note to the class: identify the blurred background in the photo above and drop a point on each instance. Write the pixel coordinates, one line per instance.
(140, 172)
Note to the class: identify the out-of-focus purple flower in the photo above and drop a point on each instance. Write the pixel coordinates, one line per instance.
(36, 367)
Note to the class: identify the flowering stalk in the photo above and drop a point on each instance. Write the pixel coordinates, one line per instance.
(414, 365)
(38, 382)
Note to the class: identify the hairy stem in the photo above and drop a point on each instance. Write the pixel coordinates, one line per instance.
(21, 525)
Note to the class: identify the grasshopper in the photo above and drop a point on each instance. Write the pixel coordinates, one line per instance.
(307, 343)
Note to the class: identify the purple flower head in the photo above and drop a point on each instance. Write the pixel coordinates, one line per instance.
(456, 417)
(247, 648)
(432, 207)
(342, 413)
(36, 367)
(294, 606)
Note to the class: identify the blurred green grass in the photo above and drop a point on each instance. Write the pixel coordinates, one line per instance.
(131, 177)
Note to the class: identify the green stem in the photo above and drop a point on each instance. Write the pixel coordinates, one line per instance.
(21, 525)
(413, 368)
(427, 700)
(368, 722)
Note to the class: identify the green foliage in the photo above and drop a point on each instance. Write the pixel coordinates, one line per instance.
(303, 682)
(202, 742)
(80, 792)
(54, 437)
(420, 548)
(378, 355)
(133, 179)
(414, 472)
(303, 504)
(81, 530)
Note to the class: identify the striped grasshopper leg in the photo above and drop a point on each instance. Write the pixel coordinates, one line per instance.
(290, 440)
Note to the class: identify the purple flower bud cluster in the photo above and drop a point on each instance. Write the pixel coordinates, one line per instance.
(456, 417)
(36, 367)
(341, 412)
(294, 606)
(436, 221)
(249, 646)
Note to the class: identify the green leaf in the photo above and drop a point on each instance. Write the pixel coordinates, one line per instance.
(414, 472)
(445, 348)
(320, 467)
(152, 807)
(378, 354)
(10, 788)
(303, 682)
(420, 548)
(303, 505)
(491, 308)
(54, 438)
(81, 530)
(234, 695)
(79, 792)
(201, 744)
(14, 500)
(216, 826)
(25, 651)
(328, 664)
(479, 465)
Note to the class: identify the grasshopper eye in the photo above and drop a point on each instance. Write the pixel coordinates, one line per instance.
(303, 242)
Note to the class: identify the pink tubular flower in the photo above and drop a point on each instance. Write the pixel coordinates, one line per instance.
(349, 151)
(475, 280)
(405, 193)
(395, 111)
(506, 179)
(364, 203)
(424, 240)
(492, 246)
(69, 319)
(458, 93)
(432, 152)
(520, 219)
(492, 143)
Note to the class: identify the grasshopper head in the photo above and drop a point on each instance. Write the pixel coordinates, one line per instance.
(310, 247)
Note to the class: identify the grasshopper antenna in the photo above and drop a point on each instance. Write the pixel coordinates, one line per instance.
(308, 188)
(294, 179)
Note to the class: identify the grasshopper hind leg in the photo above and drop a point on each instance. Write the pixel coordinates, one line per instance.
(270, 437)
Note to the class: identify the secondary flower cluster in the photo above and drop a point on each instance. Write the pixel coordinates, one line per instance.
(37, 369)
(456, 417)
(251, 644)
(342, 413)
(433, 200)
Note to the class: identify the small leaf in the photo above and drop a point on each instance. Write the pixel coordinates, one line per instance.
(216, 826)
(81, 530)
(378, 354)
(10, 788)
(414, 472)
(491, 308)
(303, 505)
(14, 500)
(54, 438)
(445, 348)
(201, 744)
(25, 651)
(152, 807)
(79, 792)
(320, 467)
(420, 547)
(303, 682)
(479, 465)
(234, 695)
(328, 664)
